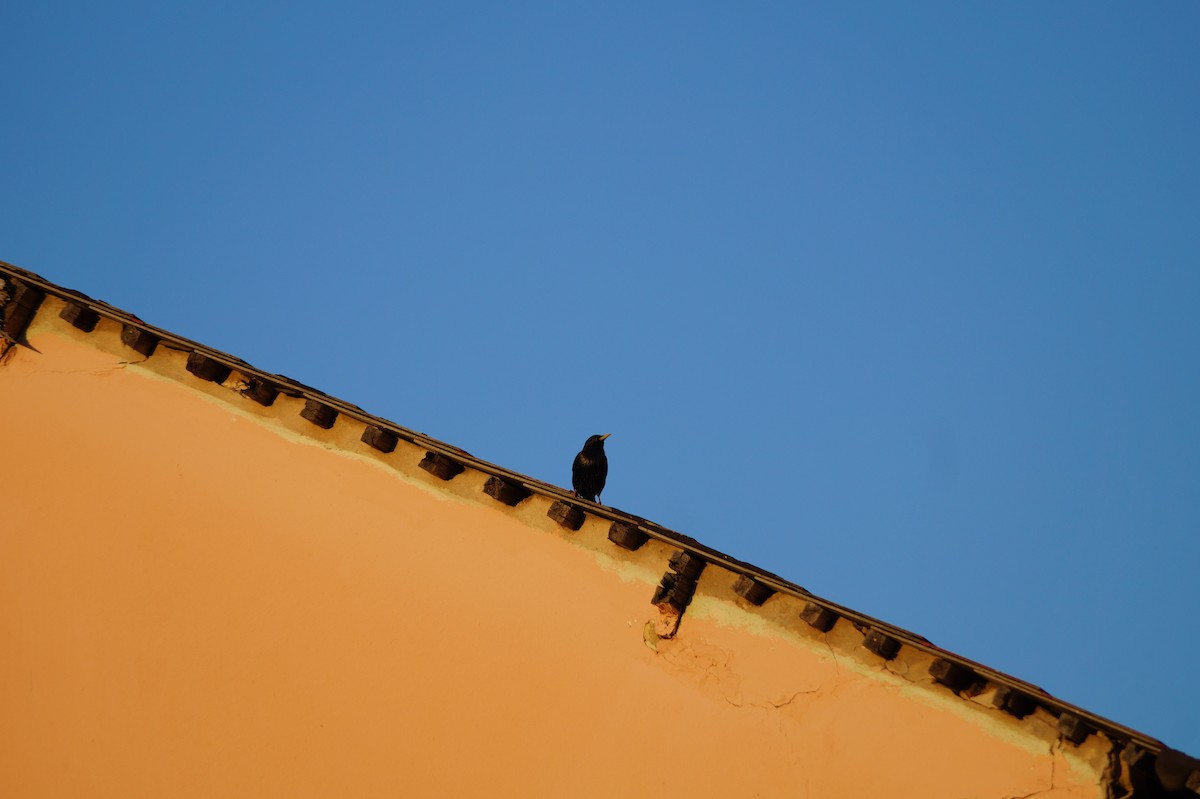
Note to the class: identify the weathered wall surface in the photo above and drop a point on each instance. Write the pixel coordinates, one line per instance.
(202, 597)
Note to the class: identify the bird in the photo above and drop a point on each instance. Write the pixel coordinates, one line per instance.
(590, 469)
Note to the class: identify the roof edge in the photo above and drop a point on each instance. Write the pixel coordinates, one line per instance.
(754, 578)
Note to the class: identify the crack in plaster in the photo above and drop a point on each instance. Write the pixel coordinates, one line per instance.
(837, 662)
(772, 705)
(710, 668)
(994, 721)
(713, 672)
(1055, 749)
(104, 372)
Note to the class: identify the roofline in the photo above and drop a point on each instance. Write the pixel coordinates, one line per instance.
(286, 385)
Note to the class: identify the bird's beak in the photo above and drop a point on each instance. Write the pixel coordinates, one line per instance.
(606, 435)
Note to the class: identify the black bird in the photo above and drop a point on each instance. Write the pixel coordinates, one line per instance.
(590, 469)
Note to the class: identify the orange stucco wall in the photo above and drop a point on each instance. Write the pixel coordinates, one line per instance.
(200, 597)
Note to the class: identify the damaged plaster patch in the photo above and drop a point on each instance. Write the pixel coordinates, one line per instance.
(994, 722)
(1056, 751)
(666, 621)
(650, 636)
(711, 668)
(729, 615)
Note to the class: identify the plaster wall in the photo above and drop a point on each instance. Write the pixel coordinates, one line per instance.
(201, 597)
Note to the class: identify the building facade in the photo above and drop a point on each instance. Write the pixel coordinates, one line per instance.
(217, 582)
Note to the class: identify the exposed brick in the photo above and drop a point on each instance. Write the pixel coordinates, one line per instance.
(18, 312)
(881, 644)
(505, 491)
(441, 466)
(689, 564)
(261, 391)
(953, 675)
(818, 617)
(319, 414)
(567, 515)
(626, 536)
(1014, 702)
(140, 341)
(80, 316)
(674, 590)
(207, 368)
(1073, 728)
(380, 439)
(752, 590)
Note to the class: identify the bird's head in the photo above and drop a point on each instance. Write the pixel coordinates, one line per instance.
(595, 443)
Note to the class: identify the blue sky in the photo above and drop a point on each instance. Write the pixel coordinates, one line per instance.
(897, 301)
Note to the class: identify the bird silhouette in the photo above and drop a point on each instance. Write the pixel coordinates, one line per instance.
(590, 469)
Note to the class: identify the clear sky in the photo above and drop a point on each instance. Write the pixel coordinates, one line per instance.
(898, 301)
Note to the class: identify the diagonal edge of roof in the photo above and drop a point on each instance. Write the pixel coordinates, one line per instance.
(1114, 730)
